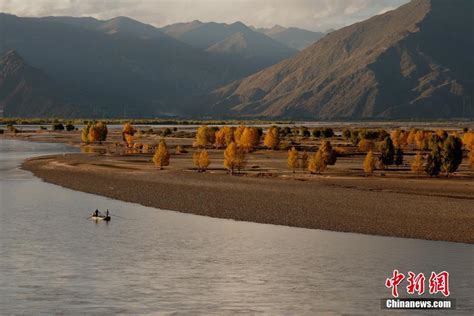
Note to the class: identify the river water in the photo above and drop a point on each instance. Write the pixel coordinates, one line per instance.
(54, 260)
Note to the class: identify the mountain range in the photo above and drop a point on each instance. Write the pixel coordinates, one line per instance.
(412, 62)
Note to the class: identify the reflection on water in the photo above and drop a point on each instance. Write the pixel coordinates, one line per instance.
(54, 260)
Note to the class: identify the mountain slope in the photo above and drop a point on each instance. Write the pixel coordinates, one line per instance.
(415, 61)
(292, 37)
(118, 75)
(26, 91)
(235, 40)
(116, 26)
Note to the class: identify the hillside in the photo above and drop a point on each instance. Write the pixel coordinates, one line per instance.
(118, 75)
(292, 37)
(415, 61)
(26, 91)
(234, 40)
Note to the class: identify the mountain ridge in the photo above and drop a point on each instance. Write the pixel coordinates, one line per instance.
(364, 71)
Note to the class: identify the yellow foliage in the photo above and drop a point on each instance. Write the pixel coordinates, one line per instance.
(202, 137)
(272, 138)
(129, 140)
(249, 139)
(417, 166)
(162, 156)
(317, 164)
(201, 160)
(128, 129)
(238, 134)
(369, 163)
(145, 148)
(94, 134)
(234, 157)
(471, 157)
(220, 138)
(468, 140)
(366, 145)
(293, 157)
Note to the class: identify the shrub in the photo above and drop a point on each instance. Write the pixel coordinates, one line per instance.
(58, 127)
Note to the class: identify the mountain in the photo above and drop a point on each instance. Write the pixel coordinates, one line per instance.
(117, 75)
(412, 62)
(237, 40)
(28, 92)
(116, 26)
(292, 37)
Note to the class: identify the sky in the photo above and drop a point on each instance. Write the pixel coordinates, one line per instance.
(316, 15)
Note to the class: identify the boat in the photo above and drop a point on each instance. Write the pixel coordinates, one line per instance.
(101, 218)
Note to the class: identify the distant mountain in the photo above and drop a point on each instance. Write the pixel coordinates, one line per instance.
(235, 39)
(27, 92)
(115, 26)
(118, 75)
(412, 62)
(292, 37)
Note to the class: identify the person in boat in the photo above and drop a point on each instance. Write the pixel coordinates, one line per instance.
(107, 213)
(96, 213)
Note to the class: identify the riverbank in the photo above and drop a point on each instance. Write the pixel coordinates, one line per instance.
(440, 209)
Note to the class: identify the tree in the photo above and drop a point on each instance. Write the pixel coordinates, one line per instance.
(366, 145)
(238, 134)
(201, 160)
(417, 166)
(387, 151)
(369, 163)
(249, 139)
(202, 137)
(399, 156)
(128, 140)
(304, 161)
(101, 130)
(230, 156)
(293, 156)
(329, 155)
(58, 127)
(433, 164)
(468, 140)
(162, 156)
(316, 163)
(451, 154)
(240, 159)
(70, 127)
(85, 133)
(316, 133)
(220, 138)
(327, 132)
(346, 133)
(272, 138)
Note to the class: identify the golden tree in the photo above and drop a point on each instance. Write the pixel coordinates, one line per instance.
(85, 133)
(468, 140)
(272, 138)
(229, 134)
(162, 156)
(417, 166)
(94, 134)
(329, 155)
(316, 163)
(128, 129)
(128, 140)
(293, 157)
(201, 160)
(202, 137)
(366, 145)
(471, 157)
(369, 163)
(234, 157)
(220, 138)
(230, 156)
(238, 134)
(145, 148)
(249, 139)
(411, 136)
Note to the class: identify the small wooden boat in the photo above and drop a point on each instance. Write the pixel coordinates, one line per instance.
(101, 218)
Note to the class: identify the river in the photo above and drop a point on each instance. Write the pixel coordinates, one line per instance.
(54, 260)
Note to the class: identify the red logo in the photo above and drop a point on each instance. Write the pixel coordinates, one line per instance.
(438, 283)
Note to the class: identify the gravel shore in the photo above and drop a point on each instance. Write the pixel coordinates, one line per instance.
(424, 209)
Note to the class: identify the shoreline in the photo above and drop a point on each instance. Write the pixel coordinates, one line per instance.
(386, 207)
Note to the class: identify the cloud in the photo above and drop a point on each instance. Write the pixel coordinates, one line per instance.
(310, 14)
